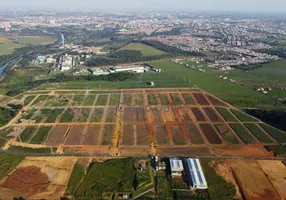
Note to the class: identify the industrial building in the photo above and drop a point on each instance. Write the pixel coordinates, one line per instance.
(136, 69)
(195, 173)
(176, 167)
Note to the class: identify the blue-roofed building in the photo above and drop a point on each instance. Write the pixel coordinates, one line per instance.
(176, 167)
(196, 174)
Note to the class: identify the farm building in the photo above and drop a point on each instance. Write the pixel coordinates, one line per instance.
(176, 167)
(137, 69)
(196, 174)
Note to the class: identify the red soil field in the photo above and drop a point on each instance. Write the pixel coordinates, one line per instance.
(56, 137)
(142, 135)
(198, 114)
(92, 136)
(134, 114)
(216, 101)
(75, 135)
(201, 99)
(161, 135)
(128, 135)
(29, 180)
(210, 134)
(193, 134)
(178, 135)
(213, 116)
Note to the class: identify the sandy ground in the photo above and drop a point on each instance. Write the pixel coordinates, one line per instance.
(56, 172)
(276, 173)
(246, 150)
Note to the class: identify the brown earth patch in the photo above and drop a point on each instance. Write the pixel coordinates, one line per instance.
(210, 134)
(216, 101)
(198, 114)
(183, 151)
(242, 150)
(213, 116)
(142, 135)
(201, 99)
(57, 135)
(161, 135)
(128, 135)
(75, 135)
(92, 136)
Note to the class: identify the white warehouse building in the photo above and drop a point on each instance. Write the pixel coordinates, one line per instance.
(176, 167)
(196, 174)
(137, 69)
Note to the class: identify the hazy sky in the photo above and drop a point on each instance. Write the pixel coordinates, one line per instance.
(151, 5)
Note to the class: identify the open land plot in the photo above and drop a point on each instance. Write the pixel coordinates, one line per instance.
(210, 134)
(212, 115)
(181, 151)
(155, 113)
(193, 134)
(57, 135)
(253, 181)
(39, 100)
(161, 135)
(128, 135)
(240, 130)
(76, 177)
(35, 40)
(92, 135)
(277, 149)
(68, 116)
(114, 100)
(8, 46)
(81, 114)
(8, 163)
(167, 114)
(201, 99)
(243, 117)
(215, 101)
(189, 99)
(55, 113)
(152, 100)
(226, 114)
(89, 100)
(78, 100)
(142, 135)
(27, 133)
(107, 134)
(96, 116)
(258, 133)
(144, 49)
(58, 100)
(164, 99)
(38, 178)
(127, 99)
(176, 99)
(198, 114)
(28, 100)
(41, 115)
(185, 113)
(134, 114)
(227, 134)
(41, 135)
(278, 135)
(177, 135)
(138, 99)
(102, 100)
(75, 135)
(110, 114)
(28, 114)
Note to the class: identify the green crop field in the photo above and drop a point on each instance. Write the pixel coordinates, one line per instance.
(275, 133)
(68, 116)
(114, 99)
(28, 100)
(242, 133)
(243, 117)
(54, 115)
(144, 49)
(102, 100)
(19, 149)
(35, 40)
(228, 136)
(189, 99)
(7, 46)
(226, 114)
(164, 99)
(8, 163)
(27, 134)
(259, 134)
(152, 100)
(278, 150)
(41, 135)
(75, 178)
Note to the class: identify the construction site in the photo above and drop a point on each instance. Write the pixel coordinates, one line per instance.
(137, 122)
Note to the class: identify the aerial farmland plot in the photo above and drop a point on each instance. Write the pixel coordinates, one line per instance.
(136, 121)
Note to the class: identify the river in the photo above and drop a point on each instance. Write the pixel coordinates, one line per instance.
(3, 67)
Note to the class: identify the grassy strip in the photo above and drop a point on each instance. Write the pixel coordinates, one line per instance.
(114, 100)
(41, 135)
(226, 114)
(19, 149)
(68, 116)
(78, 100)
(242, 133)
(40, 99)
(8, 163)
(89, 100)
(127, 99)
(275, 133)
(54, 115)
(259, 134)
(28, 100)
(102, 100)
(176, 99)
(243, 117)
(188, 98)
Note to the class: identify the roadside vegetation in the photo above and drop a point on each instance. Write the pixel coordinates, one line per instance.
(8, 163)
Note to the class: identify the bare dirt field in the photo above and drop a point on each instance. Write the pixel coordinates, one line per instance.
(161, 135)
(40, 178)
(212, 115)
(216, 101)
(128, 134)
(142, 135)
(134, 114)
(210, 134)
(92, 135)
(75, 135)
(201, 99)
(57, 136)
(198, 114)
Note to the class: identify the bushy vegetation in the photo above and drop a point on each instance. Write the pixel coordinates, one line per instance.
(6, 115)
